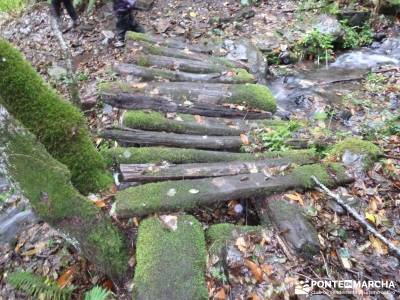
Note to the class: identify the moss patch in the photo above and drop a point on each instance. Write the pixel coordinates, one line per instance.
(46, 183)
(132, 155)
(219, 235)
(170, 264)
(254, 95)
(151, 121)
(327, 174)
(56, 123)
(139, 37)
(243, 76)
(356, 146)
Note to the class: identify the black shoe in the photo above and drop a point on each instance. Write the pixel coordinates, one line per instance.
(119, 44)
(137, 28)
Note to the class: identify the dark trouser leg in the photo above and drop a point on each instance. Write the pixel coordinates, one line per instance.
(133, 25)
(56, 8)
(70, 9)
(123, 24)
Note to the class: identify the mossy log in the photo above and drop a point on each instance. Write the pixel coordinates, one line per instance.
(120, 99)
(253, 96)
(291, 223)
(58, 125)
(153, 172)
(151, 48)
(158, 155)
(133, 137)
(178, 64)
(234, 76)
(156, 121)
(46, 183)
(168, 42)
(170, 263)
(188, 194)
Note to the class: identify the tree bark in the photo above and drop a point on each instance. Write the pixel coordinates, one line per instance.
(179, 64)
(151, 74)
(253, 96)
(149, 48)
(46, 183)
(188, 194)
(292, 224)
(124, 100)
(152, 138)
(153, 172)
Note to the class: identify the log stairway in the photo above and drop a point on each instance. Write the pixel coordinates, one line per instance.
(185, 116)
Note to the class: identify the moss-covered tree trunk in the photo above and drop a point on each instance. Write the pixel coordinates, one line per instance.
(188, 194)
(234, 76)
(46, 183)
(128, 100)
(253, 96)
(171, 261)
(58, 125)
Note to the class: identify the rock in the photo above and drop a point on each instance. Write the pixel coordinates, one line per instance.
(108, 34)
(144, 4)
(246, 51)
(355, 18)
(326, 24)
(390, 7)
(379, 36)
(57, 72)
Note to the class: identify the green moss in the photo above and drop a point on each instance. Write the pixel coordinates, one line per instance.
(139, 37)
(254, 95)
(327, 174)
(170, 264)
(160, 196)
(46, 183)
(243, 76)
(142, 61)
(157, 155)
(355, 146)
(56, 123)
(223, 61)
(151, 121)
(152, 49)
(219, 235)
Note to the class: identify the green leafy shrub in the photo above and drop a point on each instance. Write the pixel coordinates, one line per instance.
(275, 140)
(11, 5)
(356, 37)
(98, 293)
(315, 45)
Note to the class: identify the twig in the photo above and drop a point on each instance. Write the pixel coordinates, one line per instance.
(359, 218)
(72, 84)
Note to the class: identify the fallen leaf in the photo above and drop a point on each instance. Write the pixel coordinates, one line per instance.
(66, 278)
(171, 222)
(199, 119)
(171, 192)
(255, 269)
(244, 139)
(241, 244)
(194, 191)
(380, 247)
(295, 197)
(220, 295)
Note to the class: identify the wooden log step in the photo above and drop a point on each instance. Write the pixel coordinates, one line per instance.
(168, 42)
(253, 96)
(158, 155)
(130, 137)
(188, 194)
(156, 49)
(153, 172)
(292, 224)
(155, 121)
(141, 101)
(171, 259)
(233, 76)
(179, 64)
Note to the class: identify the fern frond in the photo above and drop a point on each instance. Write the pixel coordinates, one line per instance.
(38, 286)
(97, 293)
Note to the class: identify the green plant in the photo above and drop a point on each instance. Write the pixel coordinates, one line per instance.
(275, 140)
(315, 45)
(38, 286)
(97, 293)
(375, 83)
(11, 5)
(355, 37)
(218, 274)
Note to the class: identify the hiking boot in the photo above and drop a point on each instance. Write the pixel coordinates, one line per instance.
(119, 44)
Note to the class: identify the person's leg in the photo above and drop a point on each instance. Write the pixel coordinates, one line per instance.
(71, 11)
(56, 8)
(134, 25)
(123, 24)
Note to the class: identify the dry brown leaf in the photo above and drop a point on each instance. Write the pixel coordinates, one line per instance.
(253, 296)
(220, 295)
(380, 247)
(295, 197)
(199, 119)
(244, 139)
(255, 270)
(66, 278)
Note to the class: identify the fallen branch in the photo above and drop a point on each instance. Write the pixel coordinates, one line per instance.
(73, 87)
(359, 77)
(357, 216)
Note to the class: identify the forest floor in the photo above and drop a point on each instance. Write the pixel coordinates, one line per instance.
(348, 250)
